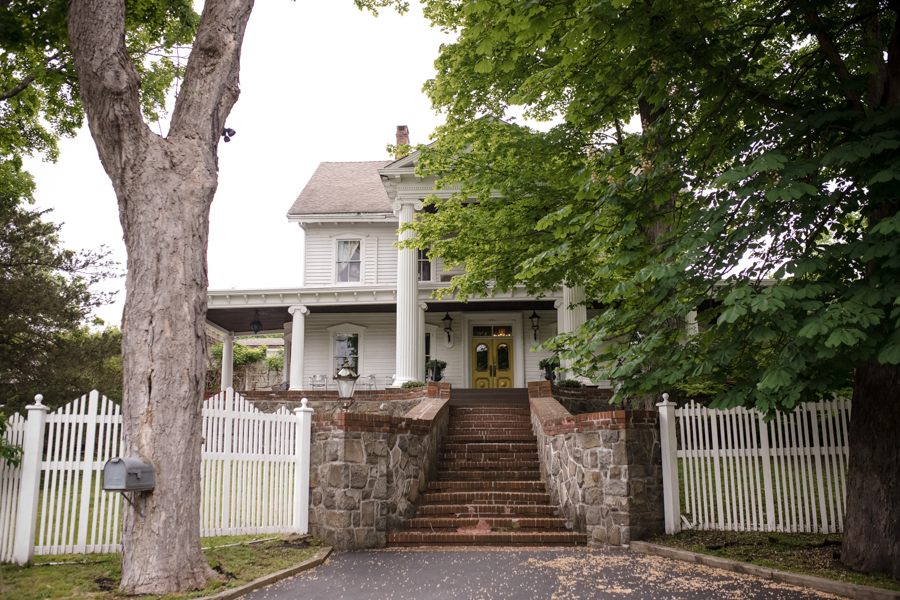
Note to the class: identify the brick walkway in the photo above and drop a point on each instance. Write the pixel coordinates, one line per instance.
(520, 574)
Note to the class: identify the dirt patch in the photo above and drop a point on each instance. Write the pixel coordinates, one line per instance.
(106, 584)
(808, 553)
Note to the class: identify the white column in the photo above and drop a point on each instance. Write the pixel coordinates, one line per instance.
(286, 369)
(407, 298)
(228, 362)
(570, 318)
(301, 476)
(420, 351)
(668, 445)
(690, 324)
(32, 456)
(298, 333)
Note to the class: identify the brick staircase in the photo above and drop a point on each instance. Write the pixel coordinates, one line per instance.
(489, 490)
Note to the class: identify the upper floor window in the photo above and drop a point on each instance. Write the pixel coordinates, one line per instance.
(424, 266)
(348, 260)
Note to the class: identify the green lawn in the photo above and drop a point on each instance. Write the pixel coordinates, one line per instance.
(97, 576)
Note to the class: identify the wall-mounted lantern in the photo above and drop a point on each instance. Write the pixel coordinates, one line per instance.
(346, 384)
(448, 321)
(256, 324)
(535, 323)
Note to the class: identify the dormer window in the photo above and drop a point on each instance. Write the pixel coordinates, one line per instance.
(424, 266)
(348, 261)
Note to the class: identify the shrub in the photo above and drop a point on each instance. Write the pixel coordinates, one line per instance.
(430, 364)
(412, 384)
(569, 383)
(552, 362)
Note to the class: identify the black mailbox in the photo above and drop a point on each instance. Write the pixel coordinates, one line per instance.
(128, 475)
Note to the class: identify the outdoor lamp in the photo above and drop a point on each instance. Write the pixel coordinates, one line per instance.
(447, 321)
(256, 324)
(534, 323)
(346, 383)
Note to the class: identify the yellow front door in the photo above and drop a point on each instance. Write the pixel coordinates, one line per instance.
(492, 363)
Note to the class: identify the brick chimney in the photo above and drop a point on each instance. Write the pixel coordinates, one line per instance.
(402, 138)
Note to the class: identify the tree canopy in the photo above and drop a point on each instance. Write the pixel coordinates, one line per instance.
(759, 191)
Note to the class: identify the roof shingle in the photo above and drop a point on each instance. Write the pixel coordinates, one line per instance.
(344, 187)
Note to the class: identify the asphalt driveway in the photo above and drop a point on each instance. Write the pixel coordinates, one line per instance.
(494, 574)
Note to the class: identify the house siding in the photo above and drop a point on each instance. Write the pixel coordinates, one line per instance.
(379, 257)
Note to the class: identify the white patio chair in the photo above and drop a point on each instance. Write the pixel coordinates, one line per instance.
(318, 381)
(366, 382)
(389, 380)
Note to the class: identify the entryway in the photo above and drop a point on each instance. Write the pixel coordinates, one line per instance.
(492, 357)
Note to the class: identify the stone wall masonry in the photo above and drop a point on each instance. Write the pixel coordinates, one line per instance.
(394, 402)
(603, 470)
(368, 471)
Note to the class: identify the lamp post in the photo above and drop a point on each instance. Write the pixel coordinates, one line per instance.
(346, 383)
(535, 319)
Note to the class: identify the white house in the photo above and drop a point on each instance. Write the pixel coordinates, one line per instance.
(369, 303)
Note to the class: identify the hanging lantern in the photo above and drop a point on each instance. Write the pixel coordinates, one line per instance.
(447, 321)
(256, 324)
(535, 319)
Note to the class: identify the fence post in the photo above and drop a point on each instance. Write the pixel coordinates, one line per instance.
(32, 457)
(765, 457)
(669, 446)
(301, 474)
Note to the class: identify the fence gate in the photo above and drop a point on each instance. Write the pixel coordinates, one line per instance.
(254, 475)
(729, 469)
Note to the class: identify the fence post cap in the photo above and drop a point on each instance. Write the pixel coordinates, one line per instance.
(665, 401)
(38, 398)
(303, 408)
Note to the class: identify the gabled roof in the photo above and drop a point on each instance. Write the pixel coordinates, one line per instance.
(344, 187)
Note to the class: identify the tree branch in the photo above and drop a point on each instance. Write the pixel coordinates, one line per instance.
(833, 55)
(110, 85)
(211, 86)
(28, 79)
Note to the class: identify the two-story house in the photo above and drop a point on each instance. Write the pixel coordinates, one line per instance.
(368, 303)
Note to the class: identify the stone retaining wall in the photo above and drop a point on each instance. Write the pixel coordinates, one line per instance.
(603, 469)
(368, 471)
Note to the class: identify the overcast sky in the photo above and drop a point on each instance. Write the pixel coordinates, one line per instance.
(320, 81)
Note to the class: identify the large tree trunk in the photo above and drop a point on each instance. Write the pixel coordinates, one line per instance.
(164, 187)
(872, 523)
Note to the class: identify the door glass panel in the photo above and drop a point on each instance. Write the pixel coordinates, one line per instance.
(481, 357)
(481, 331)
(502, 331)
(503, 357)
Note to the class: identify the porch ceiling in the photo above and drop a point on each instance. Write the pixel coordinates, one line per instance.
(273, 318)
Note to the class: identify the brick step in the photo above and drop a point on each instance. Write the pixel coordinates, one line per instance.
(486, 539)
(487, 497)
(487, 486)
(490, 447)
(504, 465)
(510, 475)
(496, 409)
(477, 418)
(453, 523)
(492, 437)
(479, 424)
(487, 456)
(493, 510)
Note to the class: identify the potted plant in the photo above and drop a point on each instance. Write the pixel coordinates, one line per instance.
(549, 365)
(436, 368)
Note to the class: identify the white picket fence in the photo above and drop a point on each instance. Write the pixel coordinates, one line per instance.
(738, 472)
(254, 475)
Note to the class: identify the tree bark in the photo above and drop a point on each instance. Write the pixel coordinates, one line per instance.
(164, 187)
(872, 523)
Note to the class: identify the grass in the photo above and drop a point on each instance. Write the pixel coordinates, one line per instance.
(807, 553)
(97, 576)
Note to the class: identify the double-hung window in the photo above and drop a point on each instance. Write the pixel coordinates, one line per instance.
(349, 262)
(346, 350)
(424, 266)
